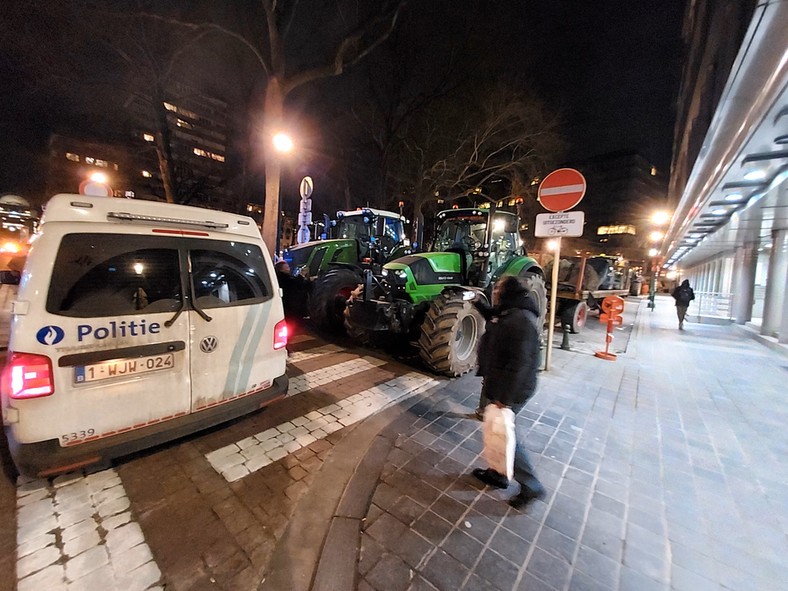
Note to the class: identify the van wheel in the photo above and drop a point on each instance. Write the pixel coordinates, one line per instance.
(329, 297)
(449, 335)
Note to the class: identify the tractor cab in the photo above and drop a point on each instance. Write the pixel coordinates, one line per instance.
(482, 247)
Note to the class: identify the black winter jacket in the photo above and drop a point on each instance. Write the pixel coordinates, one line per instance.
(509, 351)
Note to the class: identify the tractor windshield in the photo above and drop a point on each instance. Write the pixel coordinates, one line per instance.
(505, 242)
(353, 227)
(389, 230)
(468, 233)
(464, 233)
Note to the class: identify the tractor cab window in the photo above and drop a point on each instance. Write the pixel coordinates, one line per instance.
(505, 242)
(461, 233)
(353, 227)
(392, 232)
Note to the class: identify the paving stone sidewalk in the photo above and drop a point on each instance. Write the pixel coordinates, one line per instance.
(665, 470)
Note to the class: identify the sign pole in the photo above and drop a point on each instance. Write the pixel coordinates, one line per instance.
(553, 299)
(560, 191)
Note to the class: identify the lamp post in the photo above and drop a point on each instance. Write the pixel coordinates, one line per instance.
(283, 144)
(658, 219)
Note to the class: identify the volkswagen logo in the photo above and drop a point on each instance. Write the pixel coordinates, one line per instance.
(209, 344)
(50, 335)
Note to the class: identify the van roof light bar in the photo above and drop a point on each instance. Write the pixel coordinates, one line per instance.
(133, 217)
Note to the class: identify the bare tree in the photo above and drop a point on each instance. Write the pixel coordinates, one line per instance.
(457, 149)
(364, 31)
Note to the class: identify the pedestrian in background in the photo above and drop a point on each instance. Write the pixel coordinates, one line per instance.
(683, 295)
(508, 362)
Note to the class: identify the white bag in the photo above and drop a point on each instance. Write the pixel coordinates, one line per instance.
(499, 439)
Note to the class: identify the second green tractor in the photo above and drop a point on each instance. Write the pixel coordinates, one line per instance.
(428, 297)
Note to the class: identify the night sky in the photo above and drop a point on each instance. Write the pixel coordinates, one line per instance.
(609, 67)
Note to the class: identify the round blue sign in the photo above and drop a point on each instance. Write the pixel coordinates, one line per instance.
(50, 335)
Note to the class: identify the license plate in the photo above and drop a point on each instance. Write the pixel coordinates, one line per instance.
(122, 367)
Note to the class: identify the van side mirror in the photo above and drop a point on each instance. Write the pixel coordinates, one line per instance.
(10, 277)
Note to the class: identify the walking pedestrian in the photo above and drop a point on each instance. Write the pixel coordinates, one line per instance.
(508, 362)
(683, 294)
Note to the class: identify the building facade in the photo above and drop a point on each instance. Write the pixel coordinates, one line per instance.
(624, 190)
(729, 176)
(126, 158)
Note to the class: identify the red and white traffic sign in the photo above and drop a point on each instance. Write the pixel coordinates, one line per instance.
(562, 189)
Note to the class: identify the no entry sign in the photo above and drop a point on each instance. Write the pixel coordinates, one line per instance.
(562, 189)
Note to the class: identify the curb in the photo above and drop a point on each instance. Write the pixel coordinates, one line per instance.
(320, 547)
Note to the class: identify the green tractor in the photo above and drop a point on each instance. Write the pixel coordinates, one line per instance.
(362, 239)
(428, 296)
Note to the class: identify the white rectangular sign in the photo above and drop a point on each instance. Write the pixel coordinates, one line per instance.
(552, 225)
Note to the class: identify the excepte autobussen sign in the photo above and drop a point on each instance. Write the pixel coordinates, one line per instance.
(564, 224)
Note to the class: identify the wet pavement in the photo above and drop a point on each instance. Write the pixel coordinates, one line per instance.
(665, 470)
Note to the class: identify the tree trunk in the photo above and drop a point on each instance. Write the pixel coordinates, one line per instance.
(272, 121)
(164, 148)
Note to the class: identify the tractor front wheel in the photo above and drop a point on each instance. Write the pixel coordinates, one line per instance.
(329, 297)
(449, 335)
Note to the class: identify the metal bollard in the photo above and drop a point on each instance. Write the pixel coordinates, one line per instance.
(565, 339)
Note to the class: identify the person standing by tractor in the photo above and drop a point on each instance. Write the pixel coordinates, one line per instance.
(508, 361)
(683, 294)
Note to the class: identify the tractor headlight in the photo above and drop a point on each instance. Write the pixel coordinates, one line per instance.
(384, 273)
(401, 275)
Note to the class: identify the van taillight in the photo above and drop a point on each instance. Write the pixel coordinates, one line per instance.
(28, 376)
(280, 335)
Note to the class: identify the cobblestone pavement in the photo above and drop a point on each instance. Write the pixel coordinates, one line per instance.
(208, 510)
(664, 470)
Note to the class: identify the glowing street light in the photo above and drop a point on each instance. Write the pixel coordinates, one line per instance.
(656, 236)
(99, 177)
(660, 218)
(282, 142)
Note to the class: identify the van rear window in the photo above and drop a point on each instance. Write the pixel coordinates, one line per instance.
(120, 274)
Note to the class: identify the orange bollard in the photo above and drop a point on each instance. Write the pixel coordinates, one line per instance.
(612, 307)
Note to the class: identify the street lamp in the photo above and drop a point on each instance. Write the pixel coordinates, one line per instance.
(658, 219)
(283, 144)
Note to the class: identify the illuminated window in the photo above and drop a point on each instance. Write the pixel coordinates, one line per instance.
(129, 194)
(653, 171)
(90, 160)
(72, 157)
(170, 107)
(217, 157)
(184, 124)
(622, 229)
(115, 166)
(101, 163)
(147, 137)
(200, 152)
(146, 174)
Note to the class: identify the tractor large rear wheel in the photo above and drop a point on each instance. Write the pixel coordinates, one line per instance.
(329, 297)
(538, 293)
(449, 335)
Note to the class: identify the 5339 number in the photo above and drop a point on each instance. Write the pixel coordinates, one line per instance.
(77, 436)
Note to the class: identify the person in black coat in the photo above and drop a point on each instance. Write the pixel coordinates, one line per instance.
(508, 361)
(683, 294)
(295, 292)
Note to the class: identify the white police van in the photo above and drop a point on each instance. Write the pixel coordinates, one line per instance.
(137, 322)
